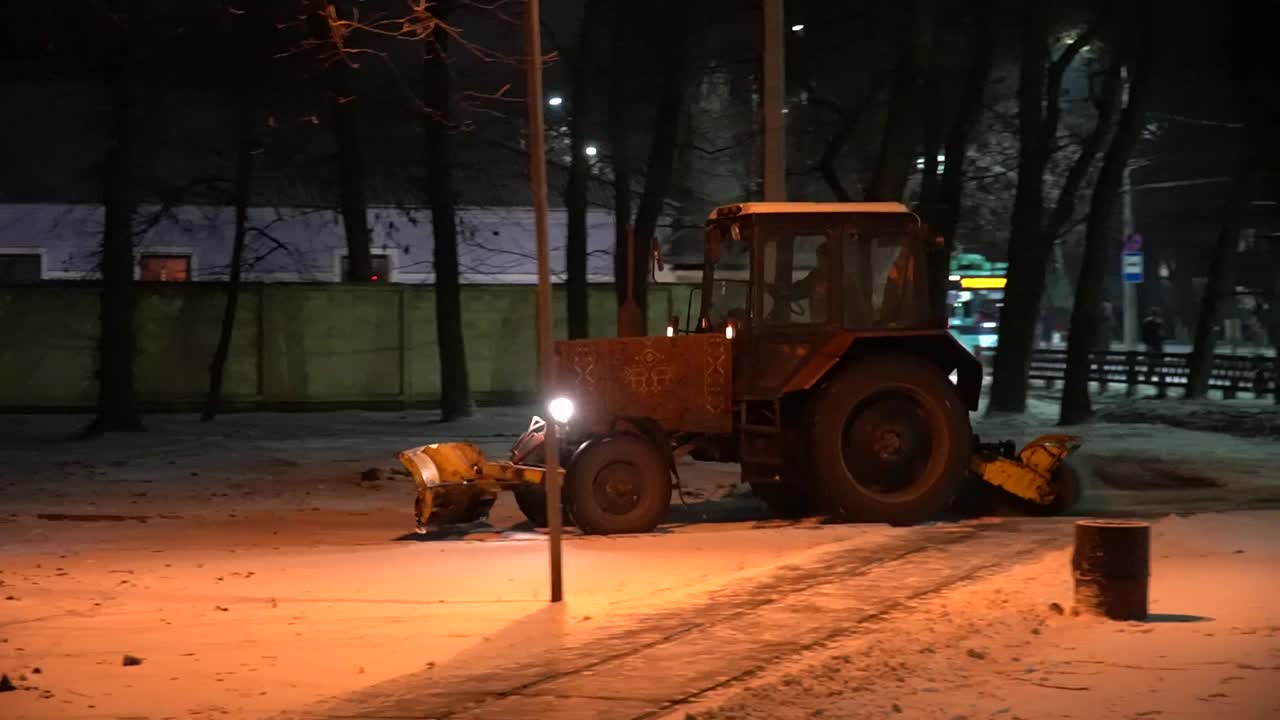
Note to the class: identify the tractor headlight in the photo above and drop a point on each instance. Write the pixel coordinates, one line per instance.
(561, 410)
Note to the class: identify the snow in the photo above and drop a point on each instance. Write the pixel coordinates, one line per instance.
(254, 571)
(996, 648)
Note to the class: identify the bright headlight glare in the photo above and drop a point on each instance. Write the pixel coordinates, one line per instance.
(561, 409)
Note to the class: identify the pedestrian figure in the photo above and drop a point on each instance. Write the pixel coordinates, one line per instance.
(1102, 342)
(1153, 334)
(1106, 325)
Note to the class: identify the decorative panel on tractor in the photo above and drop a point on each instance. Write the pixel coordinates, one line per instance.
(685, 382)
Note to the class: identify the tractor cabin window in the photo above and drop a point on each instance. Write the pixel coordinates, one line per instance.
(796, 279)
(885, 284)
(728, 283)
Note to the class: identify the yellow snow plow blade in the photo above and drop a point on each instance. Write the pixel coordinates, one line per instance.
(457, 484)
(1031, 475)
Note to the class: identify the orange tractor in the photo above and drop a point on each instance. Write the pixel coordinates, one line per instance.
(820, 362)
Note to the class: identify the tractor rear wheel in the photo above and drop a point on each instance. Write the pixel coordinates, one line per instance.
(891, 440)
(618, 485)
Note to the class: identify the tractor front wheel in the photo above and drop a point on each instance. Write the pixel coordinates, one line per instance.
(532, 499)
(618, 485)
(891, 440)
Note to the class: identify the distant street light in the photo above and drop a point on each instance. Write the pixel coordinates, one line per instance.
(591, 151)
(555, 101)
(798, 27)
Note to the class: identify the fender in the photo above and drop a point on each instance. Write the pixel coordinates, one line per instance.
(937, 346)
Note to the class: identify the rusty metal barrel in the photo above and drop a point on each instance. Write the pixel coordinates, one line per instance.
(1111, 565)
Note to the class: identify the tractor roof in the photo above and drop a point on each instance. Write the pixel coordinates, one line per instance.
(760, 208)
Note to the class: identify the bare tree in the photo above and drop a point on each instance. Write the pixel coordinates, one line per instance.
(1253, 68)
(117, 401)
(1220, 288)
(1039, 111)
(943, 199)
(251, 63)
(662, 148)
(1085, 312)
(902, 122)
(576, 192)
(329, 36)
(437, 96)
(619, 142)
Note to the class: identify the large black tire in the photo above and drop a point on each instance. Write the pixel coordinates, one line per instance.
(891, 440)
(786, 500)
(618, 485)
(532, 499)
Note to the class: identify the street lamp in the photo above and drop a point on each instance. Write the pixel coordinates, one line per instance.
(555, 101)
(591, 150)
(798, 27)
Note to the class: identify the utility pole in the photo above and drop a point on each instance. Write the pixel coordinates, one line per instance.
(546, 356)
(773, 96)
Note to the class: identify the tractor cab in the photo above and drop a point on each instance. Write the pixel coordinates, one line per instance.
(809, 267)
(804, 283)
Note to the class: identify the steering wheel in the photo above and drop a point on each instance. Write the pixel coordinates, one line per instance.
(781, 296)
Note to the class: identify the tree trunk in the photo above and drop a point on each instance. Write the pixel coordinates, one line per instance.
(1065, 208)
(351, 176)
(1026, 258)
(902, 121)
(662, 151)
(619, 144)
(945, 195)
(946, 202)
(455, 391)
(1083, 338)
(576, 193)
(117, 402)
(1220, 288)
(352, 195)
(1039, 109)
(968, 115)
(835, 145)
(243, 194)
(850, 117)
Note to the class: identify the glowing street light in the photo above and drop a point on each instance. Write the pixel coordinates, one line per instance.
(798, 27)
(591, 151)
(555, 101)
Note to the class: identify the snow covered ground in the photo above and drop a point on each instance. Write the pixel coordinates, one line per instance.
(1007, 646)
(254, 570)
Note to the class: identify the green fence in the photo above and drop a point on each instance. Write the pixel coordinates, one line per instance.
(294, 345)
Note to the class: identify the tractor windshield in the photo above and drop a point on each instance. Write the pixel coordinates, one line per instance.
(726, 282)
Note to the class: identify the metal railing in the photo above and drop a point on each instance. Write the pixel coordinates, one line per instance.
(1231, 375)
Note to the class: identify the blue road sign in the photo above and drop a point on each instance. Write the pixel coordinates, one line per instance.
(1131, 267)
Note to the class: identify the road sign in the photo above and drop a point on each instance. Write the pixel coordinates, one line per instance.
(1133, 243)
(1131, 267)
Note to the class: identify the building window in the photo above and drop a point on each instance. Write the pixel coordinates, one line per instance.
(379, 263)
(166, 268)
(19, 268)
